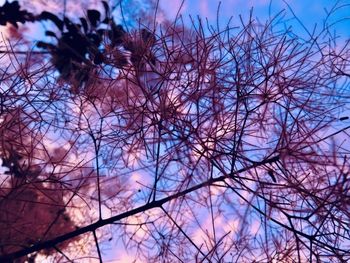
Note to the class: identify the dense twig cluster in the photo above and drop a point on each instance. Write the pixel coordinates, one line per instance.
(209, 147)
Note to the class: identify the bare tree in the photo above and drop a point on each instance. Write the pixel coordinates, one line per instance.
(199, 144)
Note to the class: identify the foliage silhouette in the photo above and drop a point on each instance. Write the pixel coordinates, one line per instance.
(11, 13)
(79, 44)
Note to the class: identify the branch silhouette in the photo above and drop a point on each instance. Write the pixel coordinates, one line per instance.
(174, 143)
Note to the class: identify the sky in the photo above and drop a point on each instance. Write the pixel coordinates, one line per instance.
(310, 12)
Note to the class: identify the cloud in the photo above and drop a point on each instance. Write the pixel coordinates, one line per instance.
(172, 8)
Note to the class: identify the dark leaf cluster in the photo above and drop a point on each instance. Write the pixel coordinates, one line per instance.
(78, 46)
(12, 13)
(17, 165)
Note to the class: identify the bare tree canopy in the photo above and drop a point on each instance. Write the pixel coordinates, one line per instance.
(172, 143)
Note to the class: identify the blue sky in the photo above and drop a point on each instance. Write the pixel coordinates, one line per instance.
(309, 12)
